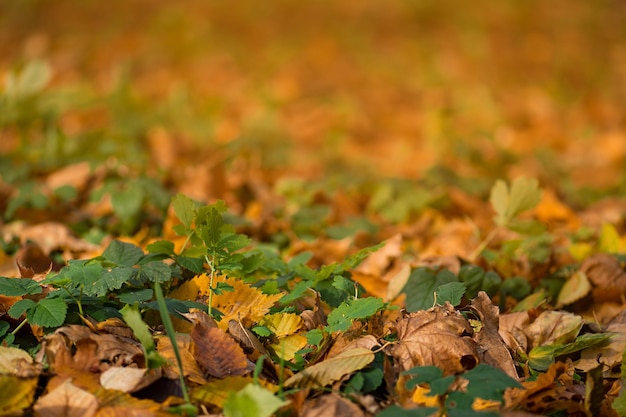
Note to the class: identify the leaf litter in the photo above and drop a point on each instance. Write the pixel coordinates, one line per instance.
(249, 210)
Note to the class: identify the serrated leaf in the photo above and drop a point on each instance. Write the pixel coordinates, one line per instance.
(15, 287)
(282, 324)
(123, 253)
(451, 292)
(110, 280)
(421, 286)
(340, 319)
(184, 209)
(20, 307)
(135, 297)
(85, 275)
(330, 370)
(161, 246)
(49, 312)
(252, 401)
(155, 272)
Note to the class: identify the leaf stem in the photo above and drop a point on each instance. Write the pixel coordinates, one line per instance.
(483, 245)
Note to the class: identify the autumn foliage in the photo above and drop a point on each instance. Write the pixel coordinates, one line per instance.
(312, 208)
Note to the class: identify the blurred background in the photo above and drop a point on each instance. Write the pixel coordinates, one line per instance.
(213, 96)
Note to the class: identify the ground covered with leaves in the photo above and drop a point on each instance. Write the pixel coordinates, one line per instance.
(312, 208)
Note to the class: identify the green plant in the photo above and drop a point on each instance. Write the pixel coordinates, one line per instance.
(483, 381)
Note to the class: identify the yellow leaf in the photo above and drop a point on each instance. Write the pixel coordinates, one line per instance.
(610, 240)
(333, 369)
(580, 250)
(216, 392)
(287, 346)
(282, 324)
(243, 303)
(420, 396)
(575, 288)
(16, 394)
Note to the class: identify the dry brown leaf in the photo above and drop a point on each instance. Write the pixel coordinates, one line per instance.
(75, 175)
(244, 303)
(494, 351)
(32, 262)
(554, 390)
(439, 336)
(607, 277)
(193, 372)
(345, 342)
(217, 353)
(50, 236)
(331, 405)
(378, 262)
(77, 352)
(67, 400)
(553, 327)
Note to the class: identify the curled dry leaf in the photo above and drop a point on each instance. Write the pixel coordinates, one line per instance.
(610, 354)
(494, 351)
(32, 262)
(607, 277)
(440, 336)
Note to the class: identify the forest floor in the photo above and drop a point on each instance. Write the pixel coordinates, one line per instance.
(312, 208)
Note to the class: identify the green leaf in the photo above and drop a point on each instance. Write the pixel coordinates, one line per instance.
(84, 275)
(132, 317)
(459, 404)
(476, 279)
(340, 319)
(488, 382)
(49, 312)
(252, 401)
(451, 292)
(161, 246)
(20, 307)
(16, 287)
(123, 253)
(619, 404)
(523, 195)
(184, 208)
(155, 272)
(541, 357)
(396, 411)
(110, 280)
(421, 286)
(127, 201)
(136, 297)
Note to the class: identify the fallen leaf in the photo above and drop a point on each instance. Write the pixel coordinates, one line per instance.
(330, 370)
(16, 394)
(493, 350)
(553, 327)
(331, 405)
(439, 336)
(17, 362)
(127, 379)
(217, 353)
(607, 277)
(67, 400)
(191, 368)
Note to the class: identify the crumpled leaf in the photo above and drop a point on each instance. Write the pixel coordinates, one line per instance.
(553, 327)
(494, 350)
(607, 277)
(17, 362)
(330, 370)
(440, 336)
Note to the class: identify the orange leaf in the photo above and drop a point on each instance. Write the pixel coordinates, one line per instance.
(217, 353)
